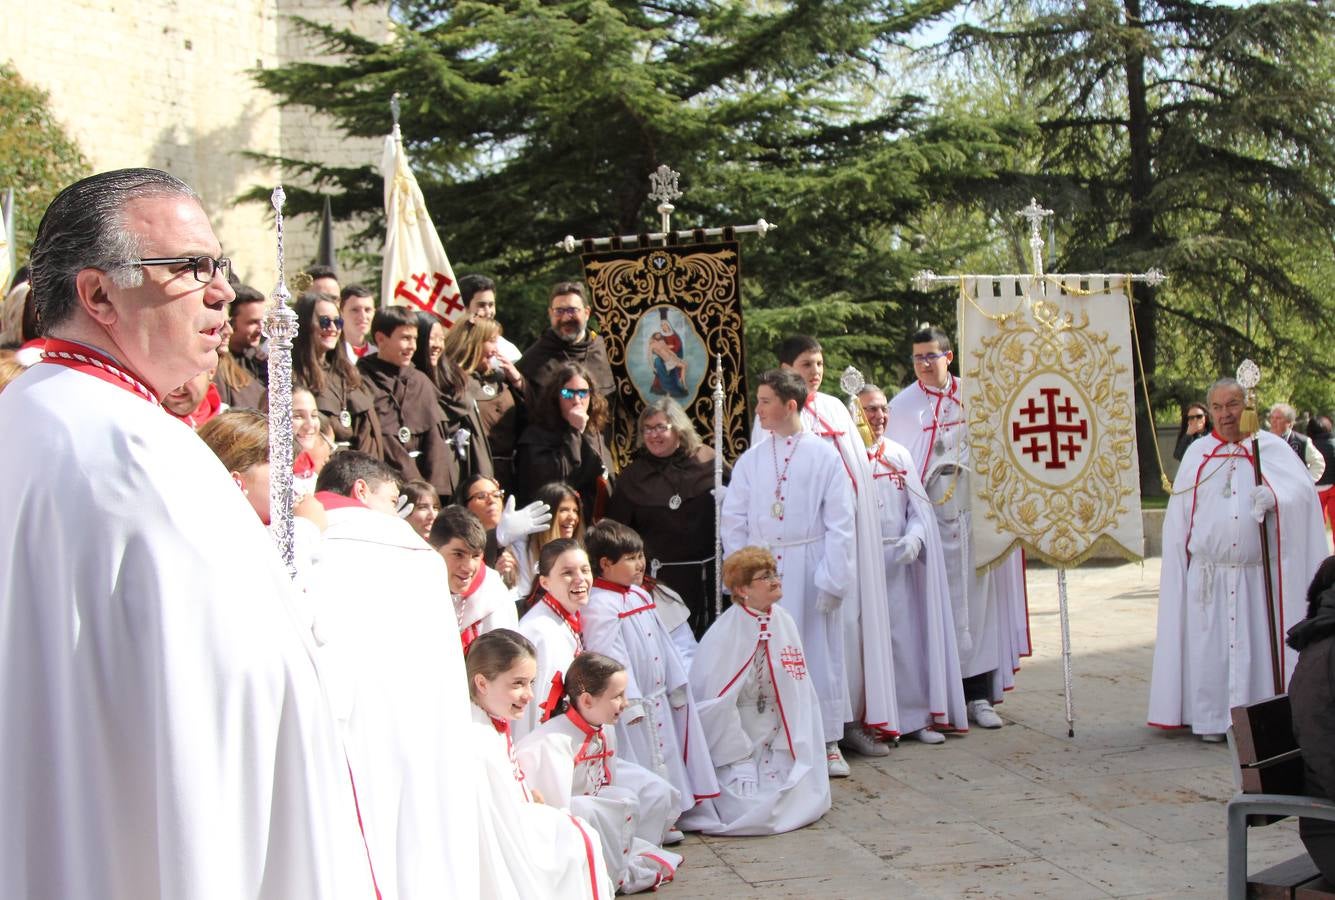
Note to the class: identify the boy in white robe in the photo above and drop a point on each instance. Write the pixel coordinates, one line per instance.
(868, 648)
(526, 849)
(621, 621)
(927, 418)
(572, 759)
(397, 689)
(759, 707)
(1211, 650)
(927, 665)
(790, 494)
(555, 625)
(481, 600)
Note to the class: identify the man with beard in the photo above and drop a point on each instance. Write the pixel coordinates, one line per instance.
(568, 340)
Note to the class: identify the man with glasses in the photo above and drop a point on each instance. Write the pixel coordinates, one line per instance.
(1211, 650)
(568, 340)
(170, 733)
(991, 615)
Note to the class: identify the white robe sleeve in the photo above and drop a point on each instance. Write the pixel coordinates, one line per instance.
(834, 573)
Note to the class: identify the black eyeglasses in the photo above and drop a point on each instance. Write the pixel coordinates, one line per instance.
(204, 267)
(326, 323)
(572, 393)
(1195, 417)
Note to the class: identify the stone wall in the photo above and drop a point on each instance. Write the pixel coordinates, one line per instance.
(166, 83)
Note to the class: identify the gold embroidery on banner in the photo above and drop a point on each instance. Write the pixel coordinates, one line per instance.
(703, 283)
(1058, 511)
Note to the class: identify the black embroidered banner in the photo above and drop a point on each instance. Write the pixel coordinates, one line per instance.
(665, 313)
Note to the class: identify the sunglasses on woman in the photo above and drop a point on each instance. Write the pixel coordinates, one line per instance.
(572, 393)
(326, 323)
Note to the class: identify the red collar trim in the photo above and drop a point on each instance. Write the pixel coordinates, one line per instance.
(83, 358)
(209, 407)
(331, 500)
(581, 723)
(950, 391)
(502, 726)
(606, 585)
(571, 619)
(359, 352)
(476, 582)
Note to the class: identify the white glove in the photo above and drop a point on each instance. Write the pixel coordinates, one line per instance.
(906, 549)
(1262, 502)
(742, 778)
(827, 602)
(677, 697)
(719, 493)
(516, 524)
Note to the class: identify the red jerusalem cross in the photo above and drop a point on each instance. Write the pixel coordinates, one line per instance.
(421, 281)
(1058, 437)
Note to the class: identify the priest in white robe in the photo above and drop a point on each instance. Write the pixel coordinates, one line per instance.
(1212, 650)
(166, 731)
(927, 418)
(928, 687)
(397, 684)
(868, 648)
(791, 495)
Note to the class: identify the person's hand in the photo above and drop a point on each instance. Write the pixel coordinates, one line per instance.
(507, 567)
(719, 493)
(310, 508)
(1195, 426)
(516, 524)
(1262, 502)
(827, 602)
(906, 549)
(578, 417)
(537, 796)
(508, 371)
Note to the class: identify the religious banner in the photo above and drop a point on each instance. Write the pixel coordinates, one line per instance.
(1048, 386)
(665, 312)
(417, 272)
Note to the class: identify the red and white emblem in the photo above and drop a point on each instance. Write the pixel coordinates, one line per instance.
(793, 662)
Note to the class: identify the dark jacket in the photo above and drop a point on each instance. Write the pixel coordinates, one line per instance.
(412, 424)
(1312, 700)
(643, 500)
(578, 459)
(549, 353)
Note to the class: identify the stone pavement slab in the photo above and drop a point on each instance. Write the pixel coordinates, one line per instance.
(1119, 810)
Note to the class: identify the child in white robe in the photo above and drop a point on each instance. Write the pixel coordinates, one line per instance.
(482, 602)
(760, 710)
(572, 760)
(622, 622)
(555, 625)
(526, 849)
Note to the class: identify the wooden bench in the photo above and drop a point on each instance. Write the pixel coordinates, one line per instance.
(1270, 779)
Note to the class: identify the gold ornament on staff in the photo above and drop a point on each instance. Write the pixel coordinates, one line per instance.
(851, 382)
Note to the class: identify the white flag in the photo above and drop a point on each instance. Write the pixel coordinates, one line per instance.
(417, 272)
(1047, 383)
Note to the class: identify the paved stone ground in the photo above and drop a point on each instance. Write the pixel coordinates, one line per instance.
(1120, 810)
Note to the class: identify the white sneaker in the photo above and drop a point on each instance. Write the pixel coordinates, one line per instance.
(673, 836)
(928, 736)
(835, 760)
(983, 715)
(860, 742)
(1214, 738)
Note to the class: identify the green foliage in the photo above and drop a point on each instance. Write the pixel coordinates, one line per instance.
(1194, 138)
(37, 157)
(528, 121)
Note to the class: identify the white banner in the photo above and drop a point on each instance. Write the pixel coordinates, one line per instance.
(1049, 392)
(417, 272)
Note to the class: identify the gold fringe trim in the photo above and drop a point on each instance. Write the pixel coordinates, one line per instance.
(1104, 546)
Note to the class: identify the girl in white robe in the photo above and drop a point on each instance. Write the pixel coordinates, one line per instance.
(760, 710)
(555, 625)
(661, 732)
(526, 848)
(572, 760)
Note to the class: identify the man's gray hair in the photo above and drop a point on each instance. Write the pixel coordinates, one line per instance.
(1288, 412)
(84, 227)
(868, 388)
(1230, 383)
(676, 420)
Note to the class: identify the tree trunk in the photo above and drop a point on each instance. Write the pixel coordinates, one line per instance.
(1141, 238)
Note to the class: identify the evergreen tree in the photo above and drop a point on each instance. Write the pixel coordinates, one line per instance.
(528, 121)
(1193, 137)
